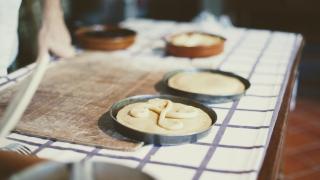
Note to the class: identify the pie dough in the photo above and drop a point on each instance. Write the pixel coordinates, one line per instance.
(162, 116)
(206, 83)
(195, 39)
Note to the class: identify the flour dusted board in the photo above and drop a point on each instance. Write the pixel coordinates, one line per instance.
(74, 95)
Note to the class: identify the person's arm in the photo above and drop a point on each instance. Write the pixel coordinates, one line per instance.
(54, 36)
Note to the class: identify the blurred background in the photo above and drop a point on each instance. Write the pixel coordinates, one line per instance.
(300, 16)
(302, 152)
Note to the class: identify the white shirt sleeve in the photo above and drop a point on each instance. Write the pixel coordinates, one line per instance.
(9, 16)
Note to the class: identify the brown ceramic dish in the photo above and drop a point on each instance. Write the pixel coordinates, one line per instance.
(103, 37)
(195, 51)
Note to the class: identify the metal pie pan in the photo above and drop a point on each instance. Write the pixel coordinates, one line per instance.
(63, 171)
(159, 139)
(164, 88)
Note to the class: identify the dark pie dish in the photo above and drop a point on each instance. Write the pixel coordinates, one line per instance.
(104, 37)
(164, 88)
(194, 51)
(158, 139)
(64, 171)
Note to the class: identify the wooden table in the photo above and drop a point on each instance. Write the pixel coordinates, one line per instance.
(246, 141)
(272, 164)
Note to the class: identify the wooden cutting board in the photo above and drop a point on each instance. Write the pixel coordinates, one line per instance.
(75, 94)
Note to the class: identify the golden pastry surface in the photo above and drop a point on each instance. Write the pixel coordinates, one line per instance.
(195, 39)
(206, 83)
(162, 116)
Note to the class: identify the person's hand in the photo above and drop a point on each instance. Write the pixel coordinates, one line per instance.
(54, 36)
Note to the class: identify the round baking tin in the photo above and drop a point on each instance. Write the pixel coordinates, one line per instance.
(100, 171)
(194, 51)
(104, 37)
(159, 139)
(204, 98)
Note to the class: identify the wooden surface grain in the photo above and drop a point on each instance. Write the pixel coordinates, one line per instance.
(75, 94)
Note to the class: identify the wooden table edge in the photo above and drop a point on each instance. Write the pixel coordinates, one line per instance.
(272, 162)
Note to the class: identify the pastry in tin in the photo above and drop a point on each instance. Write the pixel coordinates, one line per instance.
(194, 44)
(195, 39)
(162, 116)
(206, 83)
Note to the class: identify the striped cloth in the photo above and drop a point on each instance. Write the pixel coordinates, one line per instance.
(236, 145)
